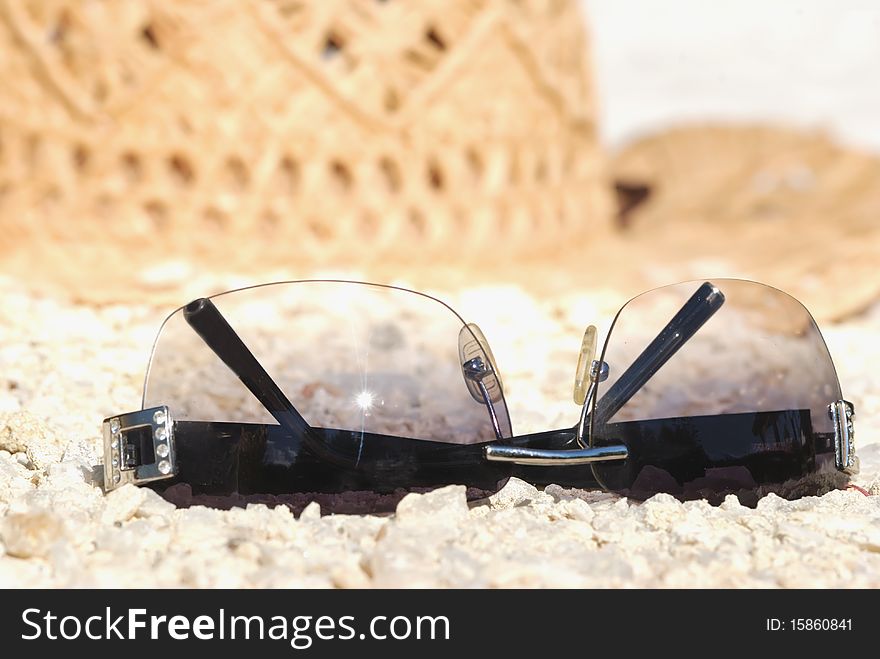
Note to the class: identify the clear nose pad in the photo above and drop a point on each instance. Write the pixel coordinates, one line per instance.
(482, 378)
(472, 344)
(584, 364)
(588, 374)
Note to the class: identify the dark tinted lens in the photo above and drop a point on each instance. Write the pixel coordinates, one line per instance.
(374, 370)
(741, 407)
(232, 464)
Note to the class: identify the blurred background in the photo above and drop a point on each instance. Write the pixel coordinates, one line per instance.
(804, 63)
(534, 163)
(190, 146)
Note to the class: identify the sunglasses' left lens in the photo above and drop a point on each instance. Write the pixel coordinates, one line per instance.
(717, 388)
(359, 363)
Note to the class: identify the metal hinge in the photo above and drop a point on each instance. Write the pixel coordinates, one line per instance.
(842, 413)
(138, 448)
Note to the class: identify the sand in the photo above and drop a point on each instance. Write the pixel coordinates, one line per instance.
(63, 367)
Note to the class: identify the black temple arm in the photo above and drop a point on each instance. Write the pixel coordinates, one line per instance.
(207, 321)
(690, 318)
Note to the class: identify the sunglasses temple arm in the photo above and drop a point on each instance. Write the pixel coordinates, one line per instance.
(702, 305)
(207, 321)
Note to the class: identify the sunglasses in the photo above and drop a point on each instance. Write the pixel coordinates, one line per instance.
(353, 394)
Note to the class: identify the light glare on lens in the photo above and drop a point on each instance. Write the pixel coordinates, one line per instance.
(364, 400)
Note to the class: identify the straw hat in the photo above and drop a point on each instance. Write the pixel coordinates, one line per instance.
(138, 136)
(790, 208)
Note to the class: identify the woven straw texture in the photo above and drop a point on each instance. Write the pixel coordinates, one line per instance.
(285, 132)
(787, 207)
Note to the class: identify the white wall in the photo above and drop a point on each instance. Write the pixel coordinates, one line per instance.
(809, 62)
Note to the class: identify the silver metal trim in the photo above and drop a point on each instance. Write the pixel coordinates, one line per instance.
(121, 462)
(550, 457)
(475, 370)
(842, 413)
(496, 426)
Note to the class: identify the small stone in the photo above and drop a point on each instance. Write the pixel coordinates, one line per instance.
(311, 511)
(63, 489)
(661, 511)
(732, 502)
(31, 534)
(153, 505)
(515, 492)
(123, 503)
(576, 509)
(65, 474)
(14, 479)
(444, 504)
(771, 503)
(81, 452)
(23, 432)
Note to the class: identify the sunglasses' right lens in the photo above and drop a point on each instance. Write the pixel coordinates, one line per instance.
(717, 388)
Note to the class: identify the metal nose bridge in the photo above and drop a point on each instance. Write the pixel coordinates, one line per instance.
(558, 457)
(550, 457)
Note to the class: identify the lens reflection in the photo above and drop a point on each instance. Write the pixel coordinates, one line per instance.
(740, 408)
(348, 356)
